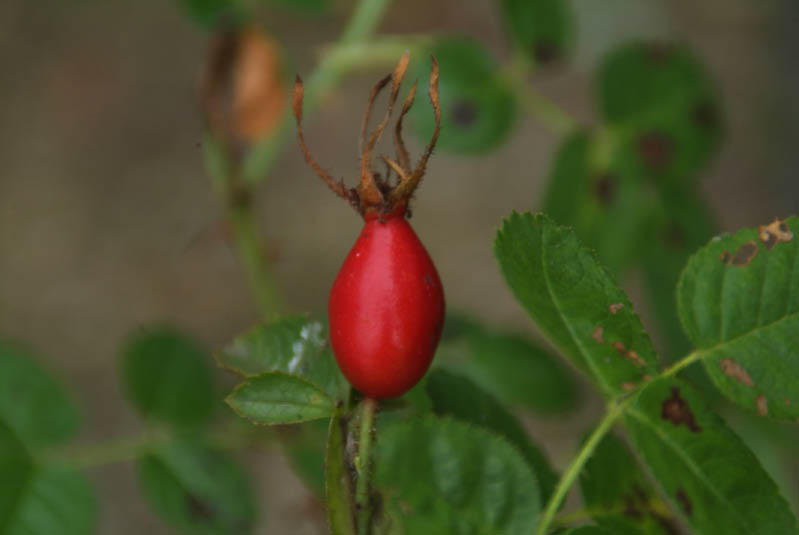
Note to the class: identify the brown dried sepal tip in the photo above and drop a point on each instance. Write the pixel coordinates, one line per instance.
(378, 194)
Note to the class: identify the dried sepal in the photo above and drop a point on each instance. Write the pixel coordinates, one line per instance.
(375, 194)
(337, 186)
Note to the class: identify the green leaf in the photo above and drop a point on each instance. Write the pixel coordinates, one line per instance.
(32, 404)
(519, 372)
(457, 396)
(292, 345)
(166, 376)
(276, 398)
(443, 476)
(612, 484)
(574, 301)
(704, 469)
(593, 530)
(197, 490)
(738, 299)
(304, 447)
(212, 13)
(40, 499)
(595, 189)
(663, 107)
(338, 485)
(542, 29)
(478, 108)
(304, 6)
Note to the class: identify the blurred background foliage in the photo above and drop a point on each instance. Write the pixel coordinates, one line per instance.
(647, 125)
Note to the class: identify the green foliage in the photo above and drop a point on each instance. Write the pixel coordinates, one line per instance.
(292, 345)
(615, 488)
(519, 372)
(32, 404)
(166, 376)
(276, 398)
(443, 476)
(41, 499)
(304, 446)
(542, 29)
(739, 306)
(574, 301)
(477, 105)
(197, 490)
(662, 106)
(704, 469)
(212, 13)
(459, 397)
(338, 486)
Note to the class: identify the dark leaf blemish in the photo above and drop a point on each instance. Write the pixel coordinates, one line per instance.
(677, 411)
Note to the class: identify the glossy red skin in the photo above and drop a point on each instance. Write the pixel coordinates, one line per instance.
(386, 310)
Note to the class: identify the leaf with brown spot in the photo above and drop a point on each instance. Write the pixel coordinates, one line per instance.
(597, 335)
(745, 253)
(677, 411)
(736, 371)
(762, 405)
(615, 307)
(775, 232)
(712, 478)
(743, 316)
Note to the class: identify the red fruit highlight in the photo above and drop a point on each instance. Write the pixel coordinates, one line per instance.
(386, 307)
(386, 310)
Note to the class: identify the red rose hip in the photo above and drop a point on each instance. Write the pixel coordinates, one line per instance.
(386, 306)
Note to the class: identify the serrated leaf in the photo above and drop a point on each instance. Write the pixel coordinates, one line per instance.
(166, 376)
(478, 108)
(457, 396)
(619, 493)
(704, 469)
(32, 404)
(40, 499)
(276, 398)
(293, 345)
(443, 476)
(542, 29)
(196, 489)
(338, 486)
(519, 372)
(738, 299)
(574, 301)
(662, 106)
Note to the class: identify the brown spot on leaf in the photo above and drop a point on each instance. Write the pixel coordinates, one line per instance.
(463, 113)
(705, 114)
(732, 369)
(597, 335)
(773, 233)
(762, 405)
(618, 346)
(677, 411)
(628, 385)
(745, 253)
(630, 355)
(685, 502)
(605, 188)
(787, 402)
(615, 307)
(656, 149)
(725, 257)
(545, 51)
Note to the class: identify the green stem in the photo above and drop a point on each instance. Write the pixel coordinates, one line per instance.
(613, 413)
(363, 465)
(253, 259)
(545, 110)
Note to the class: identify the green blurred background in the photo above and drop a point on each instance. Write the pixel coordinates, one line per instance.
(108, 221)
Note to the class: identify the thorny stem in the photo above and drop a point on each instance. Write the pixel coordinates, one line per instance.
(615, 410)
(363, 466)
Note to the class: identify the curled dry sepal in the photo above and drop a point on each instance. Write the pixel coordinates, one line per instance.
(377, 194)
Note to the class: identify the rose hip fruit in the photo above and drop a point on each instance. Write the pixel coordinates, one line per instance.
(386, 306)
